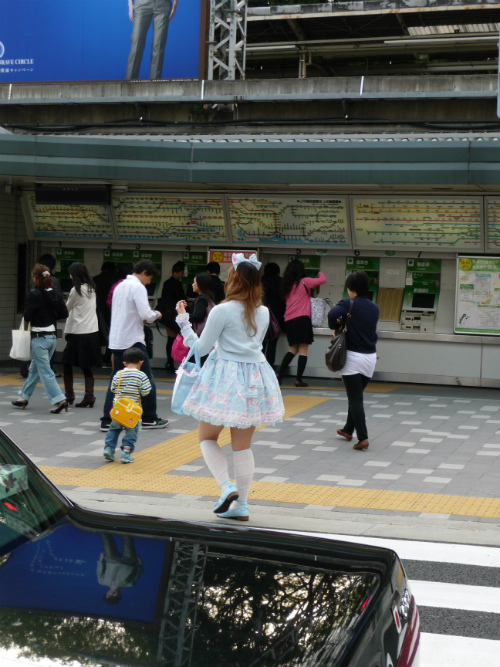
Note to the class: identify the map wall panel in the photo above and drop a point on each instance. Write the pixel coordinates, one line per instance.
(288, 220)
(158, 218)
(493, 225)
(402, 222)
(64, 221)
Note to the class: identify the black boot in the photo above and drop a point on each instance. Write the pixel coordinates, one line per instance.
(89, 398)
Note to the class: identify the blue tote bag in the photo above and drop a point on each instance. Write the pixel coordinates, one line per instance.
(187, 374)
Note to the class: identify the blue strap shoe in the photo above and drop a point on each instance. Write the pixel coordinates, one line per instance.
(229, 493)
(240, 512)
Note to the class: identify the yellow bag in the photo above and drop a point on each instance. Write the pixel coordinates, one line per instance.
(125, 411)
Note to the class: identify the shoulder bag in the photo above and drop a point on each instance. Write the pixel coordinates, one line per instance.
(187, 374)
(125, 411)
(274, 329)
(335, 355)
(318, 308)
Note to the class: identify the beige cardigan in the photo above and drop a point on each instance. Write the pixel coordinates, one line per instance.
(82, 317)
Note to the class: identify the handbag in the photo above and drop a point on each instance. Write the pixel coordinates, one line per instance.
(125, 410)
(274, 329)
(21, 343)
(186, 375)
(179, 350)
(335, 355)
(318, 308)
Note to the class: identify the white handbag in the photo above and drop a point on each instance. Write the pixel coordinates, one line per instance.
(21, 343)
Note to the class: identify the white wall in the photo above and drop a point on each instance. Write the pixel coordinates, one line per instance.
(12, 232)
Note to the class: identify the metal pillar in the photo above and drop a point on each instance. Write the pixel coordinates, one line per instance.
(181, 605)
(227, 40)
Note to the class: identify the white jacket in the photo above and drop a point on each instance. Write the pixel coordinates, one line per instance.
(82, 317)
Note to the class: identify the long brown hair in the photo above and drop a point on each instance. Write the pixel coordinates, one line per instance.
(44, 282)
(243, 284)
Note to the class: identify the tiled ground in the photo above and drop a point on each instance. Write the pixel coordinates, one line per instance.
(433, 440)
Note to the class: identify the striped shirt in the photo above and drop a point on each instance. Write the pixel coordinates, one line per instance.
(133, 384)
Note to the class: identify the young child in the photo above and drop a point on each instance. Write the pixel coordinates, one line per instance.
(133, 384)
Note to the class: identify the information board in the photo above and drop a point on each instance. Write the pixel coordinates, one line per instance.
(65, 221)
(159, 218)
(493, 225)
(405, 222)
(477, 306)
(288, 220)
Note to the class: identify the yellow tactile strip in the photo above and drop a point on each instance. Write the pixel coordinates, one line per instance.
(117, 476)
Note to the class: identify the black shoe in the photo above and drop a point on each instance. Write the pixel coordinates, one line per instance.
(104, 427)
(63, 405)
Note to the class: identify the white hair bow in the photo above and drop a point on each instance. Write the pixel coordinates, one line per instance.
(239, 257)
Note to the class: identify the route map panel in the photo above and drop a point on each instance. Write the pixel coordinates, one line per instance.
(423, 223)
(493, 228)
(288, 220)
(158, 218)
(64, 221)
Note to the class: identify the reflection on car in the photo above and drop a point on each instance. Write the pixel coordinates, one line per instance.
(93, 588)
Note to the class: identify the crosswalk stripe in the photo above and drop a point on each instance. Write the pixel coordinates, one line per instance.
(457, 596)
(437, 552)
(452, 651)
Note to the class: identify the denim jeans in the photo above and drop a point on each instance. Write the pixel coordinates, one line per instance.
(42, 350)
(354, 387)
(129, 439)
(148, 402)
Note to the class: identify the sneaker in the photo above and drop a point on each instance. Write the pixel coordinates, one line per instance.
(157, 423)
(104, 427)
(126, 458)
(109, 454)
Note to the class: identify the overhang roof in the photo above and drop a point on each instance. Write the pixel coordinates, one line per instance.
(267, 161)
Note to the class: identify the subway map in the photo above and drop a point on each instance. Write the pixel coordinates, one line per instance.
(422, 223)
(69, 221)
(288, 220)
(493, 217)
(158, 218)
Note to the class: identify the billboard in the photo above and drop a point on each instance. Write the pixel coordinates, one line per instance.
(96, 40)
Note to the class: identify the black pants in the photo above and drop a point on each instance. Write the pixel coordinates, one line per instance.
(269, 349)
(354, 387)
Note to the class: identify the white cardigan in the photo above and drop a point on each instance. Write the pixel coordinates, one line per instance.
(227, 330)
(82, 317)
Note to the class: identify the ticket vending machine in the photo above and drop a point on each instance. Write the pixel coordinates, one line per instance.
(421, 295)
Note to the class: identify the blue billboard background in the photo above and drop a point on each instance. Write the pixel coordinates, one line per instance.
(88, 40)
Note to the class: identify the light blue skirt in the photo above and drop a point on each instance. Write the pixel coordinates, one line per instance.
(233, 393)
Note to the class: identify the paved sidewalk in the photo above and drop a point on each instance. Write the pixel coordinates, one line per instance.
(432, 468)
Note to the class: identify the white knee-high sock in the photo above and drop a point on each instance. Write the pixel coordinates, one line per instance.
(243, 472)
(215, 460)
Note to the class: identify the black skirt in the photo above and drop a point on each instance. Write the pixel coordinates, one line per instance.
(299, 330)
(82, 350)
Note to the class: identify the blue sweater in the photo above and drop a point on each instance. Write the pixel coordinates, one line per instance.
(362, 325)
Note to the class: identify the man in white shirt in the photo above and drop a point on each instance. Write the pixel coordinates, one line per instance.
(130, 309)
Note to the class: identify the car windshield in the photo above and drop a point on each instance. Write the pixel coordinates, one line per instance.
(28, 506)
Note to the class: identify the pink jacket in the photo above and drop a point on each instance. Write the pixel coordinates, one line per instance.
(297, 301)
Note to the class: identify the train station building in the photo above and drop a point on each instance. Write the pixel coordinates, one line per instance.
(349, 134)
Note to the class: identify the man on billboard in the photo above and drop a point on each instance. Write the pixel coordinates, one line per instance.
(141, 13)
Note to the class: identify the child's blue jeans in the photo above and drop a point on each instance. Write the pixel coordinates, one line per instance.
(129, 439)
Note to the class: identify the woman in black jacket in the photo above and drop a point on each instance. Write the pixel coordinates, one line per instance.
(271, 297)
(44, 306)
(203, 288)
(361, 336)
